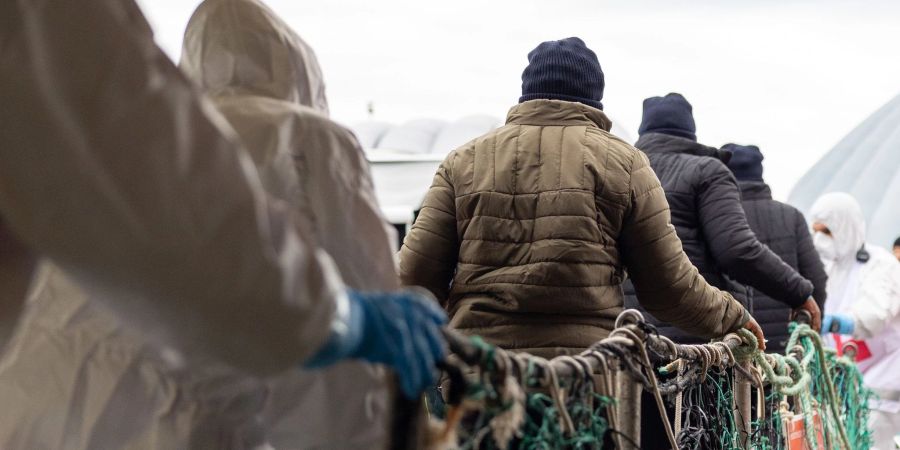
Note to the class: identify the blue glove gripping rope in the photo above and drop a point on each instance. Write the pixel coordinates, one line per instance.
(837, 323)
(399, 329)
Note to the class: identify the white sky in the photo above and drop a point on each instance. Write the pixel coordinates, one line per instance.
(790, 76)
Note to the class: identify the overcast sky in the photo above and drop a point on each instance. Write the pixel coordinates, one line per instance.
(790, 76)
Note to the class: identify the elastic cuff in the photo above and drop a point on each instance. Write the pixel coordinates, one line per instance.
(745, 319)
(345, 336)
(799, 301)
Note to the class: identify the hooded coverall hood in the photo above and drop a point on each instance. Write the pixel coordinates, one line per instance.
(841, 213)
(240, 47)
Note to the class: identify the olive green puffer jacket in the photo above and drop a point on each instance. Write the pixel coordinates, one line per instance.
(527, 231)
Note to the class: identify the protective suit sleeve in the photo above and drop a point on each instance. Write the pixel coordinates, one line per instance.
(113, 168)
(666, 282)
(878, 302)
(735, 247)
(431, 249)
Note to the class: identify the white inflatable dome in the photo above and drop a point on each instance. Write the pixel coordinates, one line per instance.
(865, 164)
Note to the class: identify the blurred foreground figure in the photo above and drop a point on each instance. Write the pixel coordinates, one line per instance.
(527, 232)
(17, 264)
(117, 171)
(863, 304)
(267, 83)
(707, 213)
(897, 248)
(784, 230)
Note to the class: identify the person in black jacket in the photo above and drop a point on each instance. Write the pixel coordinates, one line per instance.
(706, 211)
(705, 203)
(785, 231)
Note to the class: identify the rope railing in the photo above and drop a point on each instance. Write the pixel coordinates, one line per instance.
(497, 399)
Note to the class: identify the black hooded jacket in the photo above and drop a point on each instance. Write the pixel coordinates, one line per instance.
(784, 230)
(707, 214)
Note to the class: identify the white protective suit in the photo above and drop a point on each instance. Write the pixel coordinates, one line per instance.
(869, 293)
(267, 83)
(118, 171)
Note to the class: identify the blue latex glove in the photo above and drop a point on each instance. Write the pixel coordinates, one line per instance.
(399, 329)
(837, 323)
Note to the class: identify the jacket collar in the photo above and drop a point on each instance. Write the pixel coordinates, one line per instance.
(557, 112)
(664, 143)
(755, 190)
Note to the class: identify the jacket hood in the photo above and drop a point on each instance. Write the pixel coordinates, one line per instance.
(841, 213)
(755, 190)
(240, 47)
(665, 143)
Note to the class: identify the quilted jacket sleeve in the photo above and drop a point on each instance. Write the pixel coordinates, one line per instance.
(667, 284)
(430, 251)
(734, 246)
(808, 262)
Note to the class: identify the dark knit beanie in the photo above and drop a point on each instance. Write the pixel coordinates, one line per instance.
(746, 162)
(670, 115)
(563, 70)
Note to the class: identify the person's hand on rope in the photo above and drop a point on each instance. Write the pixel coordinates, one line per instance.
(838, 323)
(815, 314)
(399, 329)
(757, 331)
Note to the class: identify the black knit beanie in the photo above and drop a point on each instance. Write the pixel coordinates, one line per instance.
(563, 70)
(746, 162)
(670, 115)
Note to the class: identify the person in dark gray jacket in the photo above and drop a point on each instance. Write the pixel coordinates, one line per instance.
(707, 214)
(785, 231)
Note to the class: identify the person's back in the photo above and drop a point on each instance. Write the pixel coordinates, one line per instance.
(527, 231)
(784, 230)
(537, 202)
(707, 213)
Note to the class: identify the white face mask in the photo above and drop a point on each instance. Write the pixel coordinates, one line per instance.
(825, 246)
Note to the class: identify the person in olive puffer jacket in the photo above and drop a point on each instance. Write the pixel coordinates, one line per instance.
(707, 213)
(527, 232)
(785, 231)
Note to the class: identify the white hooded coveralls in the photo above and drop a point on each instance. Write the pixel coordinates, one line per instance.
(869, 293)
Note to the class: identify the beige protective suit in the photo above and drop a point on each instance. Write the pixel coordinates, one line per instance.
(17, 264)
(267, 83)
(115, 169)
(82, 380)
